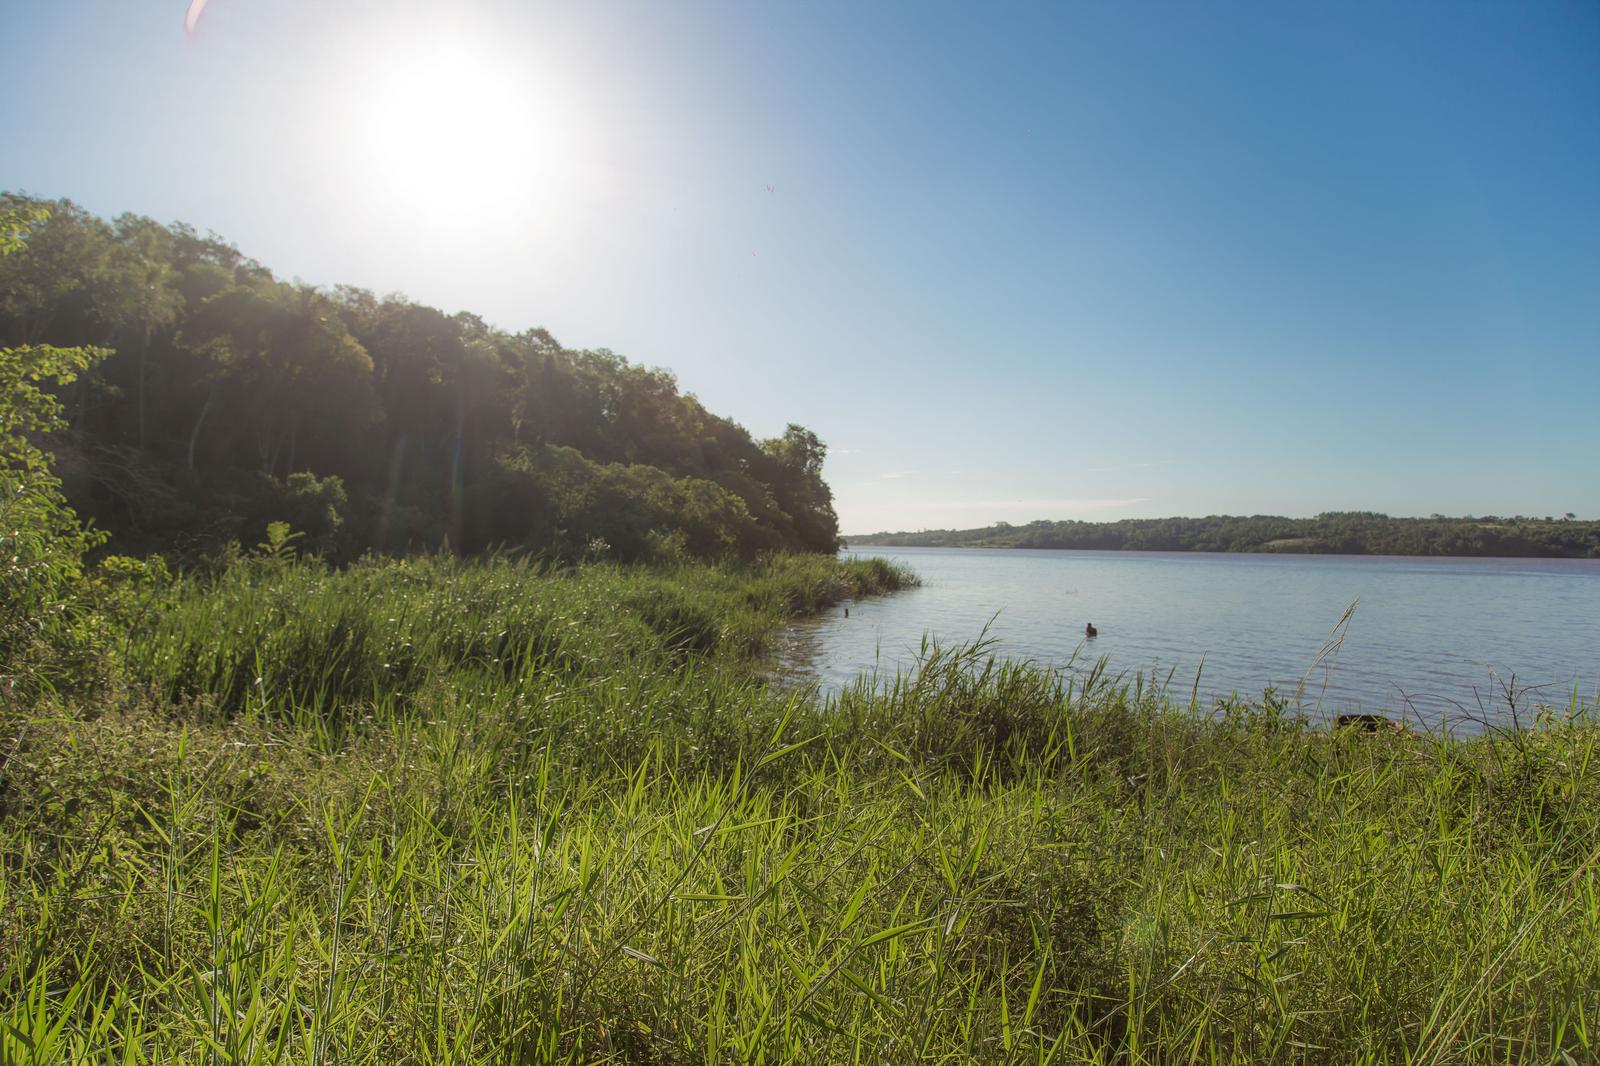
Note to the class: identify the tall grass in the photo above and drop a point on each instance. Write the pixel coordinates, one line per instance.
(434, 812)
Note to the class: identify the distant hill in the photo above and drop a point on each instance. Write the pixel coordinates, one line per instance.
(232, 399)
(1331, 533)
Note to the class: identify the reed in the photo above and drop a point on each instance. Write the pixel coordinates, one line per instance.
(436, 812)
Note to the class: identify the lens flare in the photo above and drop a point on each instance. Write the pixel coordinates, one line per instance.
(191, 19)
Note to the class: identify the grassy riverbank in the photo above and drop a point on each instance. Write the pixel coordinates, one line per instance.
(444, 812)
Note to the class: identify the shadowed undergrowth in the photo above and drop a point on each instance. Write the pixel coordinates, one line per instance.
(441, 812)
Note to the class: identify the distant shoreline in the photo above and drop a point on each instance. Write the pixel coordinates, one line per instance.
(852, 543)
(1359, 533)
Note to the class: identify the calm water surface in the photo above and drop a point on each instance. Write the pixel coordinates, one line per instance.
(1433, 638)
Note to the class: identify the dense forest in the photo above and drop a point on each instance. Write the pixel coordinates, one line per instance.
(225, 399)
(1331, 533)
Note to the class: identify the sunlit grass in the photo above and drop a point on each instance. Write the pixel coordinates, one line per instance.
(436, 812)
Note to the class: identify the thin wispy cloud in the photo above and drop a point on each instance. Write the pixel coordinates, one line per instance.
(896, 475)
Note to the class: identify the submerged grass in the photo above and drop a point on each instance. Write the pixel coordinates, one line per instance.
(432, 812)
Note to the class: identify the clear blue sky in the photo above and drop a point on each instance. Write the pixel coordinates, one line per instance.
(1068, 260)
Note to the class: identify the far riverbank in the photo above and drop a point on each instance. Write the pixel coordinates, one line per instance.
(1330, 533)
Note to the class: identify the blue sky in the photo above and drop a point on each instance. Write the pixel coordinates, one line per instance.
(1011, 262)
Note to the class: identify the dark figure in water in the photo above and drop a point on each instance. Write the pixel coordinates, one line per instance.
(1090, 631)
(1368, 723)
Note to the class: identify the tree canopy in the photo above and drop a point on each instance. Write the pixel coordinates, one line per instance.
(232, 399)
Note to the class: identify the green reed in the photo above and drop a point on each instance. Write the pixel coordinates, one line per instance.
(432, 812)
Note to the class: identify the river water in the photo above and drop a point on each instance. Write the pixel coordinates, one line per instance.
(1440, 641)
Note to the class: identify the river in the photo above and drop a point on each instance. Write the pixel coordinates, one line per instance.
(1439, 641)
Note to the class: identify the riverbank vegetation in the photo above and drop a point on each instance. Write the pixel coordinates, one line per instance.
(1332, 533)
(435, 811)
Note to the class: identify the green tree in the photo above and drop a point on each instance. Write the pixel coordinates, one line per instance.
(142, 298)
(296, 383)
(799, 488)
(42, 543)
(227, 384)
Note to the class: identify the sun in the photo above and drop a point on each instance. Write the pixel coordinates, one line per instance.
(451, 123)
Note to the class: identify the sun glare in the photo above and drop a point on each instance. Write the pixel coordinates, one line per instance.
(443, 125)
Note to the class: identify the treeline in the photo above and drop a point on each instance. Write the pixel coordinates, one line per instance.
(230, 399)
(1330, 533)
